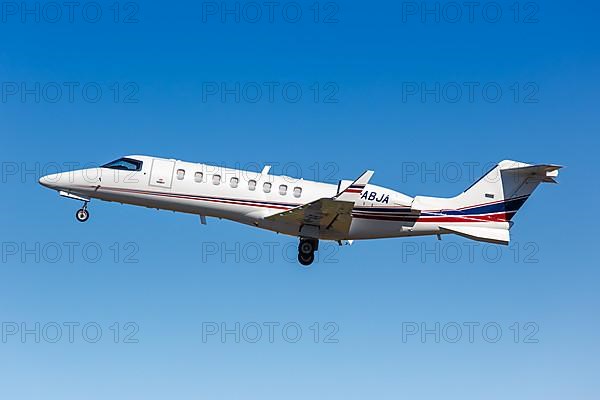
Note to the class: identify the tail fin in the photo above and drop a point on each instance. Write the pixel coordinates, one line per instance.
(505, 188)
(491, 202)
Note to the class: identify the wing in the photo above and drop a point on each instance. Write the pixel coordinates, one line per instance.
(326, 214)
(331, 215)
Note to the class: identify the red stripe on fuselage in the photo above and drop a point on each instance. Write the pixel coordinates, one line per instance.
(249, 203)
(496, 217)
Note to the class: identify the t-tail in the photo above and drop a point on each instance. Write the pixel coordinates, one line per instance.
(484, 211)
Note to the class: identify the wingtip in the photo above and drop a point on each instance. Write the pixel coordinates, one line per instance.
(367, 175)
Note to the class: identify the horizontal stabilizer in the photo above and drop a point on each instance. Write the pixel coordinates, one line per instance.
(489, 235)
(544, 172)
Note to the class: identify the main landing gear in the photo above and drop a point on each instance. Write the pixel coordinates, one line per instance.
(82, 214)
(306, 251)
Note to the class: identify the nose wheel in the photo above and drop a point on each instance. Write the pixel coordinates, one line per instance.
(82, 214)
(306, 251)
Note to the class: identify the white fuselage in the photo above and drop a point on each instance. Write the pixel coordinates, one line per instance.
(243, 196)
(350, 210)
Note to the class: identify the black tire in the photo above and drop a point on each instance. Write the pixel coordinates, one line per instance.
(306, 259)
(82, 215)
(306, 247)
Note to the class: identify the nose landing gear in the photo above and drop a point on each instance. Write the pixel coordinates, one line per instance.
(82, 214)
(306, 251)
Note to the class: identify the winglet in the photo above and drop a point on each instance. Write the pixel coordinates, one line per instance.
(352, 192)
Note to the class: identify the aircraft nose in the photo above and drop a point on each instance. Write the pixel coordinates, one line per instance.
(49, 181)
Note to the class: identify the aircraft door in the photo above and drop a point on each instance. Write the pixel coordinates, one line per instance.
(162, 173)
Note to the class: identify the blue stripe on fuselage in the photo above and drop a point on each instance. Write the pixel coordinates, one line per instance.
(510, 205)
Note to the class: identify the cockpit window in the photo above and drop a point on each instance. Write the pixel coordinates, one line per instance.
(125, 164)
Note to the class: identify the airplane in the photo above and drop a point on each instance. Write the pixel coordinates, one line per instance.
(309, 210)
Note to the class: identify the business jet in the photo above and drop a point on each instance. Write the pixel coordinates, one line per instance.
(311, 211)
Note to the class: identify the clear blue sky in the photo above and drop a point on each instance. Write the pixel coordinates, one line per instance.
(379, 90)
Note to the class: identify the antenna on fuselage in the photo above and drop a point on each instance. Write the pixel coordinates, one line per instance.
(266, 170)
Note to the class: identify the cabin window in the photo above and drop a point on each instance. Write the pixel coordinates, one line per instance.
(180, 174)
(283, 190)
(198, 177)
(216, 179)
(297, 192)
(252, 185)
(267, 187)
(233, 182)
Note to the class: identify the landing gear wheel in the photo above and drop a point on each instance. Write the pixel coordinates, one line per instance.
(306, 251)
(306, 259)
(82, 215)
(306, 247)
